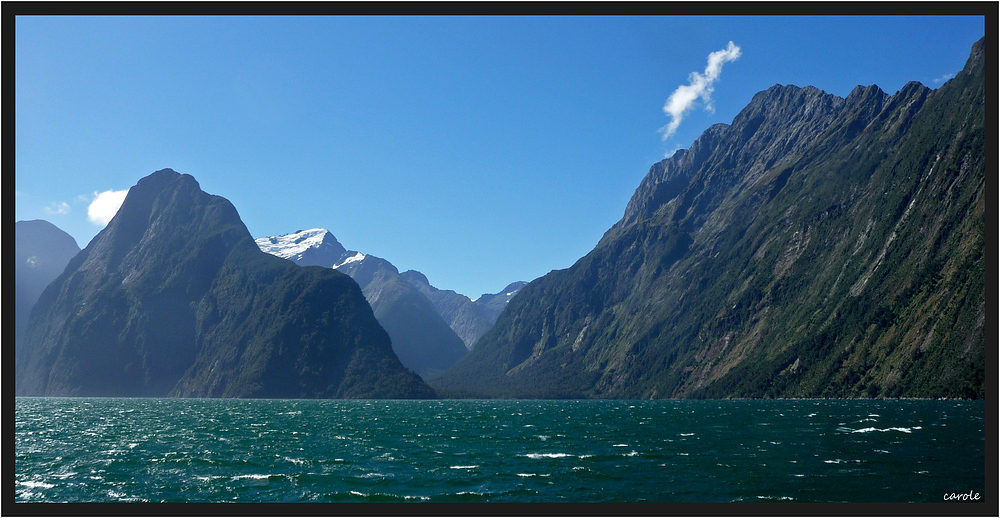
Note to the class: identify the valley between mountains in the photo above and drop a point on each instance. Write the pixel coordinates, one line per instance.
(817, 246)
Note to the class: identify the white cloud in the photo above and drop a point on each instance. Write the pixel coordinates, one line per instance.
(700, 86)
(105, 206)
(943, 78)
(57, 208)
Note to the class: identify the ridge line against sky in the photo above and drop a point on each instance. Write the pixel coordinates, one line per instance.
(476, 150)
(105, 204)
(699, 86)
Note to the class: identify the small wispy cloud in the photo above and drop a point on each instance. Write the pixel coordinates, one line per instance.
(699, 86)
(105, 206)
(57, 208)
(943, 78)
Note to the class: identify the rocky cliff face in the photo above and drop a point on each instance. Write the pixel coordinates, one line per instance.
(815, 247)
(173, 298)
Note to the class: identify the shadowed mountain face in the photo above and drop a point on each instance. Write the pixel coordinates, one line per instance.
(470, 319)
(815, 247)
(173, 298)
(41, 251)
(420, 338)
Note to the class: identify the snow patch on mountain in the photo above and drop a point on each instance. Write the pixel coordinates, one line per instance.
(352, 259)
(292, 245)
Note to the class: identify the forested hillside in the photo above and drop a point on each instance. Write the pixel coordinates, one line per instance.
(818, 246)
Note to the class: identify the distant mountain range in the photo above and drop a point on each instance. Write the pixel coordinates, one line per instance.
(423, 334)
(174, 298)
(816, 247)
(470, 319)
(41, 252)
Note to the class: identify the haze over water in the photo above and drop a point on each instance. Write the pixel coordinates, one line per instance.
(227, 450)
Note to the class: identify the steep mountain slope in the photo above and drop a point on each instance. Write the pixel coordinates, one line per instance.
(493, 303)
(41, 252)
(815, 247)
(421, 339)
(470, 319)
(173, 298)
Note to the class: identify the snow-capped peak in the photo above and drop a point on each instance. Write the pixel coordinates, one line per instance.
(291, 245)
(306, 247)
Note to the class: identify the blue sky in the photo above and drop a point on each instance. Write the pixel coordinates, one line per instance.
(478, 150)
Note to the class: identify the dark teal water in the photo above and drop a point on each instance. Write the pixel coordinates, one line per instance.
(168, 450)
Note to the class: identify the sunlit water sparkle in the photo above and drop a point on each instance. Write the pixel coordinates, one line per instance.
(224, 450)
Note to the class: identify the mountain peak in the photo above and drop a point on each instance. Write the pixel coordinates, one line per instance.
(977, 56)
(511, 289)
(869, 95)
(415, 277)
(976, 63)
(172, 299)
(780, 94)
(41, 251)
(777, 124)
(775, 258)
(160, 179)
(25, 230)
(313, 247)
(420, 337)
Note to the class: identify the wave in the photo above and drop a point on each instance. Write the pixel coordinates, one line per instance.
(184, 459)
(548, 455)
(253, 476)
(37, 484)
(387, 497)
(891, 429)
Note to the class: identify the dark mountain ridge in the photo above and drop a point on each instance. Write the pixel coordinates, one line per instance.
(816, 247)
(173, 298)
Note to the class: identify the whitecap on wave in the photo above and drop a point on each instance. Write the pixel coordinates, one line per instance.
(891, 429)
(252, 476)
(36, 484)
(547, 455)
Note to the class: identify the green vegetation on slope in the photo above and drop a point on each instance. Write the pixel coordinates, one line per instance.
(817, 247)
(174, 298)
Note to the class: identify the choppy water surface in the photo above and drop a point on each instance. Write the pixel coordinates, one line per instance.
(168, 450)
